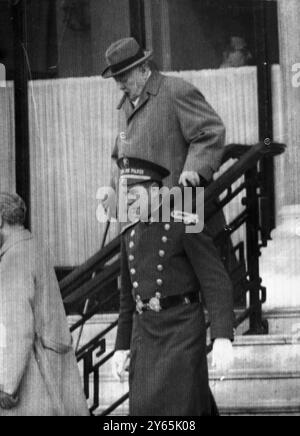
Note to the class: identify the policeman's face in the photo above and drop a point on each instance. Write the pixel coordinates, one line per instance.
(139, 198)
(132, 82)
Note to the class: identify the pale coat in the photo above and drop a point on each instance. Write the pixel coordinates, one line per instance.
(37, 361)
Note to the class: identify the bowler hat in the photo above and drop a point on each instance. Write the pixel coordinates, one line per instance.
(124, 55)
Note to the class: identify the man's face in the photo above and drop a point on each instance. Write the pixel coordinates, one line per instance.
(132, 82)
(138, 201)
(142, 199)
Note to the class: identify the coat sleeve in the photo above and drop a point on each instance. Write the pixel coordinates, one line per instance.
(127, 305)
(17, 322)
(216, 286)
(202, 129)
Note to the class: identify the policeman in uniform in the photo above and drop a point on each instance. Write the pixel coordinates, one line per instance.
(168, 275)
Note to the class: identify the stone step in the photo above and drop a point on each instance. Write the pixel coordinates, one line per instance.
(265, 378)
(283, 321)
(248, 393)
(245, 390)
(111, 391)
(267, 353)
(240, 389)
(120, 411)
(270, 409)
(259, 410)
(93, 327)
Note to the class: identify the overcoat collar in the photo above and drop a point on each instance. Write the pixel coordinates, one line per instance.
(151, 88)
(16, 238)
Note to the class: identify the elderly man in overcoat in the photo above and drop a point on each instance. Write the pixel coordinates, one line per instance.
(38, 370)
(168, 121)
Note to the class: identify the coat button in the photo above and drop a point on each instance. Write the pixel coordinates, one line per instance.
(167, 227)
(159, 282)
(162, 253)
(131, 244)
(131, 258)
(164, 239)
(160, 268)
(132, 271)
(132, 234)
(135, 285)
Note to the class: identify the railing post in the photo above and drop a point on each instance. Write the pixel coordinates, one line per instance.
(262, 22)
(257, 324)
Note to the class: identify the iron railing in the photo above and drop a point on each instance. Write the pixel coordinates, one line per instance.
(96, 280)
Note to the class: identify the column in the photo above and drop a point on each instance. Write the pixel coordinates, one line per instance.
(289, 37)
(280, 262)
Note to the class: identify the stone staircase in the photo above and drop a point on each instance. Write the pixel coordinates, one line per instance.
(265, 379)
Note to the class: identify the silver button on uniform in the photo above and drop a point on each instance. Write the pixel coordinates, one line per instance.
(132, 233)
(167, 227)
(132, 271)
(164, 239)
(162, 253)
(160, 268)
(131, 258)
(135, 285)
(131, 244)
(159, 282)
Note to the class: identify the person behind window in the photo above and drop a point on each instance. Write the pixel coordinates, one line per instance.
(236, 53)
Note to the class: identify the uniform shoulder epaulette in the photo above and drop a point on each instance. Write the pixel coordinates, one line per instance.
(185, 217)
(129, 226)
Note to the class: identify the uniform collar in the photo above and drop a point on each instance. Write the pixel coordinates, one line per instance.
(135, 223)
(129, 226)
(17, 237)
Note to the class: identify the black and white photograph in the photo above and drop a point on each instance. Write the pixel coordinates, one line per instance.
(149, 210)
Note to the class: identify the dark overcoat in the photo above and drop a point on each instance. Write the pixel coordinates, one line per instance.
(168, 372)
(173, 126)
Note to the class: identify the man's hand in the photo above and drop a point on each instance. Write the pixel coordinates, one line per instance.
(107, 208)
(107, 197)
(120, 364)
(222, 355)
(8, 402)
(106, 204)
(189, 177)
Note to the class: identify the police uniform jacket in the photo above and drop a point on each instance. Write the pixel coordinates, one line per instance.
(162, 257)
